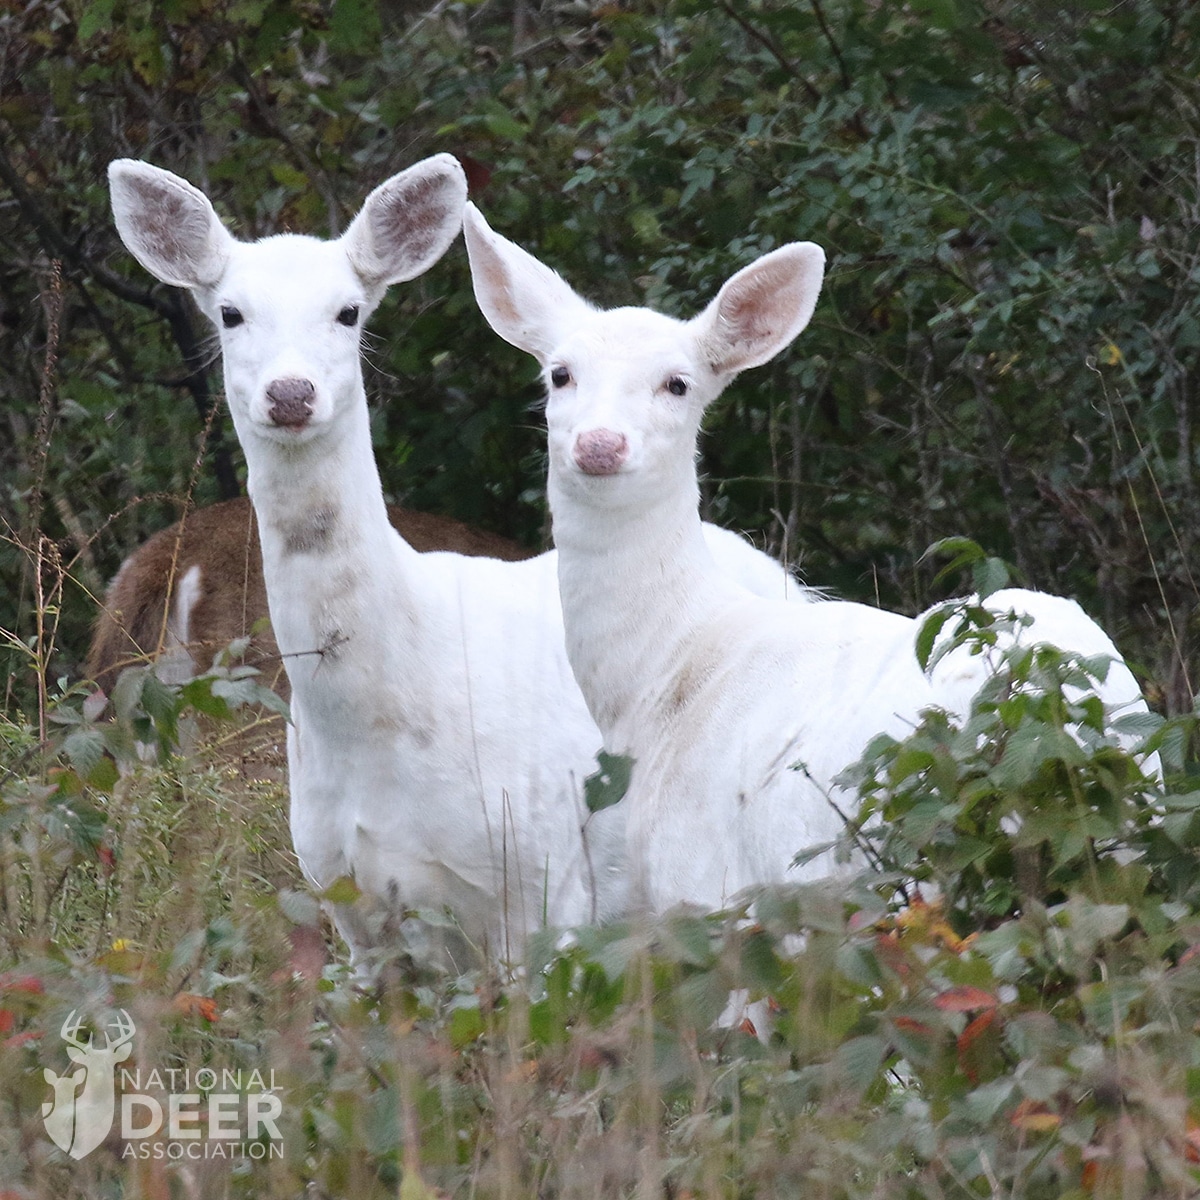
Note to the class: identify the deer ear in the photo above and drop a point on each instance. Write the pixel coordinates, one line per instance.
(762, 308)
(168, 225)
(525, 302)
(407, 223)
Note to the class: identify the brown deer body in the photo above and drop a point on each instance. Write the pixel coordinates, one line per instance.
(196, 586)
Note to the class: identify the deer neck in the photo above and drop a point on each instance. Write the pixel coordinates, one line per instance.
(638, 583)
(331, 561)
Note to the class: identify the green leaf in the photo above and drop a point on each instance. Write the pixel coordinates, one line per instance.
(104, 774)
(466, 1022)
(858, 1060)
(85, 747)
(342, 891)
(927, 634)
(354, 26)
(703, 997)
(646, 225)
(504, 125)
(688, 939)
(96, 16)
(413, 1187)
(965, 551)
(990, 575)
(608, 785)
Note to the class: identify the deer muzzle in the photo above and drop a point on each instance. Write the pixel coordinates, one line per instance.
(601, 451)
(291, 402)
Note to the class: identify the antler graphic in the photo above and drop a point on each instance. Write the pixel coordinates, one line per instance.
(124, 1027)
(123, 1024)
(70, 1032)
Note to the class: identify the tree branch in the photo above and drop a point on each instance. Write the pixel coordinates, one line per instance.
(765, 40)
(168, 304)
(819, 13)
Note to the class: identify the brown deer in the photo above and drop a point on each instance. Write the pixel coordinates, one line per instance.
(196, 586)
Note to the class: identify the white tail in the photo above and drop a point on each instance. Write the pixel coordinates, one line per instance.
(714, 693)
(439, 741)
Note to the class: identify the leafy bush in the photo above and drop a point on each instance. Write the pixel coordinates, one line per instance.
(1001, 999)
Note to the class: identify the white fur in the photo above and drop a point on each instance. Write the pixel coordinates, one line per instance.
(716, 694)
(439, 741)
(174, 664)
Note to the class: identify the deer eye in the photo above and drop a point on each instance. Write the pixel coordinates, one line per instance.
(348, 315)
(560, 377)
(231, 318)
(677, 386)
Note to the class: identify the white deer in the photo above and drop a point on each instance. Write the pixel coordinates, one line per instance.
(715, 694)
(439, 742)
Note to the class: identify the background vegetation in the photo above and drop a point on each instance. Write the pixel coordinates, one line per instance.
(1006, 348)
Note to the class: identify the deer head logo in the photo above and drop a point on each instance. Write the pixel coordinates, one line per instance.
(80, 1115)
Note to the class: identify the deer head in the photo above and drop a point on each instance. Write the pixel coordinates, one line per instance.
(628, 387)
(290, 309)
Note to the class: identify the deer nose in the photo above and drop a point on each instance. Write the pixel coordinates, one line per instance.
(601, 451)
(291, 402)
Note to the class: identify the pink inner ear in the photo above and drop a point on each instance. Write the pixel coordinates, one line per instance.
(745, 326)
(170, 229)
(498, 285)
(167, 221)
(742, 308)
(411, 226)
(760, 310)
(412, 220)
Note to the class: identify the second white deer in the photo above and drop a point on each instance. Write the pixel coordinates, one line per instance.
(715, 694)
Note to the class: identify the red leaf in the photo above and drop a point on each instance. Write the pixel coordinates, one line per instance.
(1034, 1117)
(912, 1025)
(192, 1005)
(94, 704)
(966, 1043)
(22, 983)
(19, 1039)
(1191, 1141)
(965, 999)
(975, 1028)
(478, 173)
(6, 1020)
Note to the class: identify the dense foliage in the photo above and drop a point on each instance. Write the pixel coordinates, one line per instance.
(1028, 1030)
(1006, 347)
(1004, 1003)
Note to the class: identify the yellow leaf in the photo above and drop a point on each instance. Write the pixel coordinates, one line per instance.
(1034, 1118)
